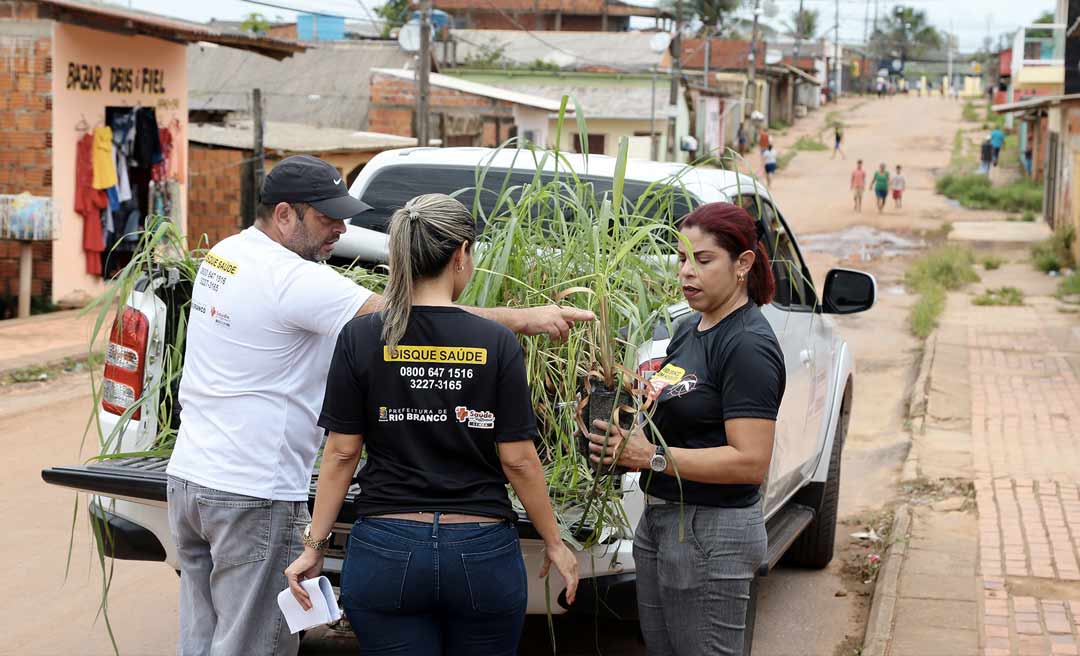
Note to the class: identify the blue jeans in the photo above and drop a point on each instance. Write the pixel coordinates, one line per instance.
(417, 589)
(694, 570)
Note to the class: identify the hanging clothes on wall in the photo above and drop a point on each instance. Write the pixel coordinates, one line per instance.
(89, 203)
(103, 162)
(161, 169)
(147, 140)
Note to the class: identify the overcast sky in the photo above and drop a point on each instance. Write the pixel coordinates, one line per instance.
(970, 20)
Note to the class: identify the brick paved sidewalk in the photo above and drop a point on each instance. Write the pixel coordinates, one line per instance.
(1014, 575)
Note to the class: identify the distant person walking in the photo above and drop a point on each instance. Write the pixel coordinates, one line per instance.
(770, 164)
(858, 184)
(986, 156)
(881, 186)
(838, 134)
(898, 186)
(997, 140)
(740, 139)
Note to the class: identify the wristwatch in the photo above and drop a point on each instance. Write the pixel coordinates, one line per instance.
(658, 463)
(317, 545)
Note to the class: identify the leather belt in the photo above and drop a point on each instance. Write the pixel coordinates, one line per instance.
(444, 518)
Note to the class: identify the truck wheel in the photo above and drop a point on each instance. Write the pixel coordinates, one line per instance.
(814, 548)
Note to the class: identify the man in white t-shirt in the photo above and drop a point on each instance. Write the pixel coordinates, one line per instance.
(265, 315)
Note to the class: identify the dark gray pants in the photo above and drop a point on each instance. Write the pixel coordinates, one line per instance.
(693, 592)
(233, 553)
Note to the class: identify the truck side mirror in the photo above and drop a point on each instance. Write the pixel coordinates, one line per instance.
(848, 292)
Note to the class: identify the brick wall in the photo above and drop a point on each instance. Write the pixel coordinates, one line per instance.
(393, 99)
(25, 131)
(214, 192)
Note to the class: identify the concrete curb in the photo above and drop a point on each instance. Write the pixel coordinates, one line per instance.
(920, 391)
(51, 358)
(883, 608)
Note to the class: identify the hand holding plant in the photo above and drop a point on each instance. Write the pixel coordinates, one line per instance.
(616, 445)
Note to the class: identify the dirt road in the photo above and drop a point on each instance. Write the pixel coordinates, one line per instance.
(800, 612)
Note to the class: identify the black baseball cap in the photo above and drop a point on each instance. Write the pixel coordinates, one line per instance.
(307, 179)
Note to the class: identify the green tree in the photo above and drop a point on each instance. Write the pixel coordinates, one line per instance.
(905, 33)
(394, 13)
(255, 23)
(803, 24)
(713, 14)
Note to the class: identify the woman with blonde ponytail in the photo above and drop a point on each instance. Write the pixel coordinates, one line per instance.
(442, 407)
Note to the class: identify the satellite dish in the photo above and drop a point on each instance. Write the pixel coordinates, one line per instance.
(660, 42)
(773, 56)
(409, 37)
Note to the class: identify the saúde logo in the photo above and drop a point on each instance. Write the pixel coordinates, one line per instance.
(475, 418)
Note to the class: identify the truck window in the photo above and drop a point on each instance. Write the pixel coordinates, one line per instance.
(794, 289)
(393, 186)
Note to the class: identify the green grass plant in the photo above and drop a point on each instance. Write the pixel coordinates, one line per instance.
(942, 269)
(1054, 253)
(969, 113)
(1069, 288)
(1000, 296)
(978, 192)
(808, 143)
(992, 262)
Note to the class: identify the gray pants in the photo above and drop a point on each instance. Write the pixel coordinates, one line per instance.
(233, 553)
(693, 592)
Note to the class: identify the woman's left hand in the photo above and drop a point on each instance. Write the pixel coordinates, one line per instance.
(636, 453)
(307, 566)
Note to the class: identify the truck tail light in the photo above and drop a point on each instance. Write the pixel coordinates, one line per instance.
(125, 362)
(649, 367)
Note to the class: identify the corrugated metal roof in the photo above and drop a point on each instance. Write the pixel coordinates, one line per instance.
(620, 51)
(327, 86)
(575, 7)
(603, 102)
(477, 89)
(1035, 103)
(294, 138)
(114, 18)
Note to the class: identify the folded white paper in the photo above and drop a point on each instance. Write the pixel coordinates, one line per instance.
(324, 608)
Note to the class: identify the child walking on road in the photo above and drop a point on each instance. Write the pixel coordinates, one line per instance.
(838, 134)
(858, 184)
(881, 186)
(898, 186)
(770, 164)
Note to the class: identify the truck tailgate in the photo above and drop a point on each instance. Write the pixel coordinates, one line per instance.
(145, 479)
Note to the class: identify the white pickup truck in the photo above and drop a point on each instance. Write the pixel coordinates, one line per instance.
(803, 482)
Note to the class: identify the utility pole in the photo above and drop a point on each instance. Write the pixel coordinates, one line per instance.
(798, 33)
(751, 66)
(949, 49)
(258, 162)
(836, 51)
(604, 17)
(423, 112)
(676, 74)
(866, 26)
(875, 17)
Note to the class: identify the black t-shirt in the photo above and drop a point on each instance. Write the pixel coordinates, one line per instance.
(733, 370)
(432, 414)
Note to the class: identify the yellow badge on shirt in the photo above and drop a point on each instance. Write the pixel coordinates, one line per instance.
(669, 375)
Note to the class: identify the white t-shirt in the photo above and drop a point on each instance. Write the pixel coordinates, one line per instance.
(898, 182)
(261, 333)
(770, 157)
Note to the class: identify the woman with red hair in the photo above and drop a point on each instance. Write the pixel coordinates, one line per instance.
(706, 454)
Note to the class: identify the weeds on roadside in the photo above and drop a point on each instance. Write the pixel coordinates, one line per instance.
(970, 115)
(1029, 216)
(975, 191)
(808, 143)
(992, 262)
(1069, 289)
(1053, 253)
(1000, 296)
(942, 269)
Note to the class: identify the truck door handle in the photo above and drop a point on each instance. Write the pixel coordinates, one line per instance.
(807, 356)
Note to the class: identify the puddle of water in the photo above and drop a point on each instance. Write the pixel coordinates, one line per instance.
(861, 242)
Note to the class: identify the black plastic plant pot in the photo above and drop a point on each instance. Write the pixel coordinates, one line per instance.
(601, 405)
